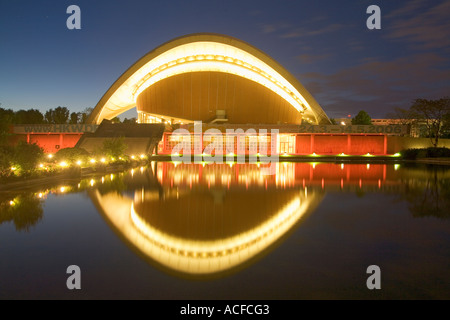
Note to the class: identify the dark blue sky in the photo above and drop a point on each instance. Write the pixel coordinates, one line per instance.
(324, 43)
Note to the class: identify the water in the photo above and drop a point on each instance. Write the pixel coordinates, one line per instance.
(176, 231)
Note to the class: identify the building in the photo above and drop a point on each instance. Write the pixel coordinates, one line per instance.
(227, 84)
(415, 128)
(209, 77)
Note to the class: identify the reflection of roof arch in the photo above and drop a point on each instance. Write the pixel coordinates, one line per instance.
(190, 257)
(205, 52)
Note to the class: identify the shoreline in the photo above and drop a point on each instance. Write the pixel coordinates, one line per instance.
(70, 175)
(82, 173)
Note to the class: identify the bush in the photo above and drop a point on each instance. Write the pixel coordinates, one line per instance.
(438, 153)
(27, 156)
(409, 154)
(72, 155)
(433, 152)
(6, 155)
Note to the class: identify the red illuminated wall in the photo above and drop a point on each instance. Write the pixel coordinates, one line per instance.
(337, 144)
(51, 143)
(365, 144)
(305, 143)
(330, 144)
(321, 144)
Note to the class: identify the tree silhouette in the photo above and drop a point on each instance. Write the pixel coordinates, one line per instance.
(59, 115)
(73, 118)
(433, 113)
(31, 116)
(362, 118)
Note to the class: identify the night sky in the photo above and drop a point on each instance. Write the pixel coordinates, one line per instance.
(325, 44)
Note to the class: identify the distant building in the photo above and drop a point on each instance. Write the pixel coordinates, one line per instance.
(416, 128)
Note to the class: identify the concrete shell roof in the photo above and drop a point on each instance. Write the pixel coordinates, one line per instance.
(205, 52)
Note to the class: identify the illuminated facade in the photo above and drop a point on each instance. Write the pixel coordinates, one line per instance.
(223, 81)
(209, 77)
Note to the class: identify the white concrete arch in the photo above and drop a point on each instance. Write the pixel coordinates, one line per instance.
(205, 52)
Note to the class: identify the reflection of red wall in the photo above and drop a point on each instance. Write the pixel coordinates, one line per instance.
(49, 142)
(287, 174)
(336, 172)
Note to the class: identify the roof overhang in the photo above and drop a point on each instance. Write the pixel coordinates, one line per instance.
(205, 52)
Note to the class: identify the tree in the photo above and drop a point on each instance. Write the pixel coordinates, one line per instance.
(31, 116)
(446, 126)
(362, 118)
(73, 118)
(6, 153)
(115, 120)
(27, 156)
(333, 121)
(59, 115)
(433, 113)
(85, 114)
(404, 116)
(6, 119)
(131, 120)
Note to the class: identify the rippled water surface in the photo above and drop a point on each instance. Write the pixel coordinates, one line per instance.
(209, 231)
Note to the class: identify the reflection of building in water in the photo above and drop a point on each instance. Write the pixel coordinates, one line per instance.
(203, 220)
(327, 176)
(205, 230)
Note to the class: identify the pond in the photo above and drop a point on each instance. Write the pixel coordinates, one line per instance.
(228, 231)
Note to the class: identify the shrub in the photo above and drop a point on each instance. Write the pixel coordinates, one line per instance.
(6, 154)
(438, 152)
(72, 155)
(27, 156)
(433, 152)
